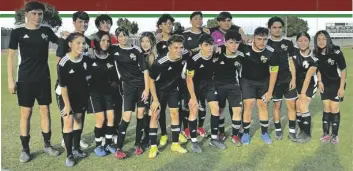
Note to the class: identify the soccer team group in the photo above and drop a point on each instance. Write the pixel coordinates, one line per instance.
(106, 76)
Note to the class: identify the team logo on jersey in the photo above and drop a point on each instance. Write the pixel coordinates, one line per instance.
(284, 47)
(45, 37)
(215, 60)
(263, 59)
(109, 65)
(306, 64)
(85, 65)
(236, 63)
(133, 56)
(331, 61)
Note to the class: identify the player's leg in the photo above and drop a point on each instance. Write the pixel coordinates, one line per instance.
(109, 132)
(235, 102)
(299, 118)
(118, 110)
(195, 147)
(146, 120)
(140, 122)
(202, 116)
(249, 99)
(263, 117)
(222, 91)
(68, 123)
(305, 120)
(163, 125)
(77, 132)
(291, 96)
(277, 104)
(335, 114)
(326, 117)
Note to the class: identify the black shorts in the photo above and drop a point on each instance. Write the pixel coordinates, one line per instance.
(206, 89)
(330, 92)
(282, 90)
(100, 103)
(253, 89)
(28, 92)
(132, 96)
(170, 98)
(310, 92)
(230, 92)
(77, 106)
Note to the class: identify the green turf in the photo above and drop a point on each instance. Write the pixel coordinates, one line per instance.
(281, 155)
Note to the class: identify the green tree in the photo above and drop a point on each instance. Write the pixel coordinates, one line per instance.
(132, 27)
(212, 23)
(50, 17)
(294, 25)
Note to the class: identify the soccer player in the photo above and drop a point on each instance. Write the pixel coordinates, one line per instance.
(331, 83)
(191, 43)
(80, 21)
(73, 81)
(132, 68)
(104, 22)
(104, 78)
(226, 78)
(306, 64)
(286, 80)
(165, 74)
(199, 80)
(33, 78)
(258, 78)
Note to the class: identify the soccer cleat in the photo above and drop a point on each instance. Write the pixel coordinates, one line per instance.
(334, 139)
(201, 131)
(195, 147)
(115, 139)
(245, 139)
(138, 150)
(236, 140)
(266, 138)
(304, 138)
(83, 144)
(163, 141)
(79, 154)
(182, 139)
(300, 134)
(51, 151)
(25, 156)
(70, 162)
(120, 154)
(218, 144)
(153, 152)
(279, 135)
(178, 148)
(292, 137)
(222, 136)
(186, 133)
(325, 138)
(100, 151)
(110, 149)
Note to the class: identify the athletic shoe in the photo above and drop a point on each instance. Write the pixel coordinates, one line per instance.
(334, 139)
(245, 139)
(266, 138)
(222, 136)
(51, 151)
(100, 151)
(153, 152)
(292, 137)
(195, 147)
(178, 148)
(163, 141)
(279, 135)
(236, 140)
(83, 144)
(79, 154)
(25, 156)
(304, 138)
(70, 162)
(218, 144)
(325, 138)
(182, 139)
(110, 148)
(138, 150)
(120, 154)
(300, 134)
(186, 133)
(201, 131)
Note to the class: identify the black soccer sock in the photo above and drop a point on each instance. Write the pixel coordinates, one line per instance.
(122, 131)
(117, 117)
(221, 124)
(98, 133)
(46, 137)
(175, 133)
(68, 143)
(278, 126)
(83, 116)
(139, 131)
(181, 117)
(306, 119)
(246, 126)
(62, 124)
(336, 117)
(300, 121)
(146, 130)
(109, 135)
(153, 136)
(202, 117)
(291, 126)
(193, 126)
(214, 126)
(76, 134)
(264, 126)
(185, 119)
(25, 142)
(236, 126)
(326, 122)
(162, 122)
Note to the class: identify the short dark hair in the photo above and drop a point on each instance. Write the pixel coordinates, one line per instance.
(73, 36)
(303, 34)
(80, 15)
(103, 18)
(96, 39)
(232, 35)
(273, 20)
(123, 30)
(330, 47)
(34, 5)
(164, 18)
(261, 31)
(206, 38)
(195, 13)
(176, 38)
(224, 15)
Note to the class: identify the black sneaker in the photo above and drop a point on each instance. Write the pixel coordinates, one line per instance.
(304, 138)
(25, 156)
(218, 144)
(195, 147)
(70, 162)
(79, 154)
(292, 137)
(51, 151)
(279, 135)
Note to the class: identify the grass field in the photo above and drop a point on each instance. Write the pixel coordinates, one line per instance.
(281, 155)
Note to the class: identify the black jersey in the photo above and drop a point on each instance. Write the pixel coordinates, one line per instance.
(63, 47)
(256, 65)
(302, 64)
(130, 64)
(162, 47)
(191, 39)
(202, 68)
(330, 66)
(33, 53)
(285, 49)
(228, 67)
(74, 75)
(103, 72)
(167, 73)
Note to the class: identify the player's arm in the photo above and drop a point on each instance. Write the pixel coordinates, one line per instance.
(13, 45)
(273, 67)
(62, 74)
(62, 49)
(144, 68)
(341, 63)
(52, 36)
(319, 81)
(311, 71)
(190, 72)
(155, 71)
(292, 68)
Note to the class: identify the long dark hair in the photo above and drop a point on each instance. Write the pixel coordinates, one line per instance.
(330, 47)
(152, 53)
(96, 39)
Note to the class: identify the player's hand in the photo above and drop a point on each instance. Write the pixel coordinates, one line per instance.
(64, 34)
(303, 98)
(340, 92)
(193, 105)
(155, 106)
(321, 87)
(292, 84)
(145, 95)
(267, 97)
(67, 110)
(206, 30)
(12, 87)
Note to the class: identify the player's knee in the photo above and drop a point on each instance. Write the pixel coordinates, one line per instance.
(174, 113)
(327, 108)
(276, 105)
(334, 108)
(44, 110)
